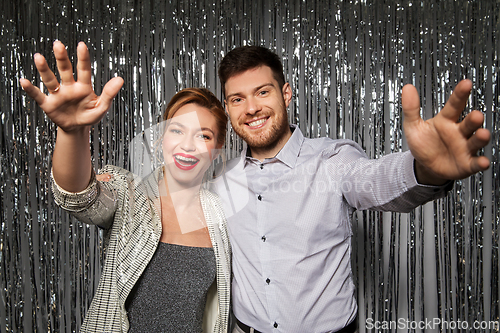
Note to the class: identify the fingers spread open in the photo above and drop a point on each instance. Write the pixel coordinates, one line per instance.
(32, 91)
(457, 101)
(478, 140)
(110, 90)
(479, 163)
(471, 123)
(48, 77)
(84, 71)
(63, 64)
(410, 103)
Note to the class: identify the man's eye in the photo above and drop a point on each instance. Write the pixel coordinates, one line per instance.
(263, 92)
(236, 100)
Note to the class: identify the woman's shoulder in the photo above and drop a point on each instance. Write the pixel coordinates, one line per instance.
(210, 196)
(210, 201)
(117, 176)
(114, 170)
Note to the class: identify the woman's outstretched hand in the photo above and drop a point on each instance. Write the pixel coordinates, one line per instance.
(71, 104)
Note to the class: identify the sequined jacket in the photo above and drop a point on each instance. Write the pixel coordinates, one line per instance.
(128, 209)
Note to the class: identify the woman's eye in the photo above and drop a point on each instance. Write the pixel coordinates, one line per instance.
(205, 137)
(175, 131)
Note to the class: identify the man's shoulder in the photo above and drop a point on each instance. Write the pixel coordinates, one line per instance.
(228, 166)
(326, 147)
(232, 163)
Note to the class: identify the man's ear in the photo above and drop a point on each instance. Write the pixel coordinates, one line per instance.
(287, 94)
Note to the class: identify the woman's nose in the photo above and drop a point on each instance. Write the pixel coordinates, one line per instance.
(187, 143)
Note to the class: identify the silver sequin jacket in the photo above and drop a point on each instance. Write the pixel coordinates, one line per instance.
(128, 209)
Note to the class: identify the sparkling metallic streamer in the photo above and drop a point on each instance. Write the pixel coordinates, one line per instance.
(346, 61)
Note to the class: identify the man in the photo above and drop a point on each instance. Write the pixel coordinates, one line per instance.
(288, 199)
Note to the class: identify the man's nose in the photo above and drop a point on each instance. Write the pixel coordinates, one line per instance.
(253, 106)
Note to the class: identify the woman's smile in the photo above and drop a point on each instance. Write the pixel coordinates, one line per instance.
(185, 161)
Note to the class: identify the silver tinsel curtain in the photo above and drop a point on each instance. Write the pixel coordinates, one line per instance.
(346, 61)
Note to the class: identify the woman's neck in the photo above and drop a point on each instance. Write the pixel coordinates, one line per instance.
(182, 217)
(183, 196)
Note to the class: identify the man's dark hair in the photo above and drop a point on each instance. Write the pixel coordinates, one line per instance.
(243, 58)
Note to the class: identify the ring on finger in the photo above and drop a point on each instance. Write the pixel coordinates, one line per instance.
(55, 90)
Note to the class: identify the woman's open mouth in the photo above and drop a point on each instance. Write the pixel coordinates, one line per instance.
(185, 161)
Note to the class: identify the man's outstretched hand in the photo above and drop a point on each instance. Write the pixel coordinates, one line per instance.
(71, 104)
(444, 149)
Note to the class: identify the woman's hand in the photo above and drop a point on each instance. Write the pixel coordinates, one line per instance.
(71, 104)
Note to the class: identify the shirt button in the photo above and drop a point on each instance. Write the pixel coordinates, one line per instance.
(268, 281)
(275, 325)
(259, 197)
(263, 238)
(262, 166)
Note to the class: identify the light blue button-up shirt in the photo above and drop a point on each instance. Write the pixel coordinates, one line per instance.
(290, 229)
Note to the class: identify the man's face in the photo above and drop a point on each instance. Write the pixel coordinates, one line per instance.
(257, 107)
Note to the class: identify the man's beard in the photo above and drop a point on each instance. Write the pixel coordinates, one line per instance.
(267, 139)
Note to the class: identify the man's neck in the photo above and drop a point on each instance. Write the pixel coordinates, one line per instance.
(269, 152)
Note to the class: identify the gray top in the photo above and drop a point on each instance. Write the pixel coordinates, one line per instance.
(171, 293)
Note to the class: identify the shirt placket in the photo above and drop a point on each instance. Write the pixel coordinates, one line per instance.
(264, 204)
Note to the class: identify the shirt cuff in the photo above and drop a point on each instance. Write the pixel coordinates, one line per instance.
(75, 201)
(411, 179)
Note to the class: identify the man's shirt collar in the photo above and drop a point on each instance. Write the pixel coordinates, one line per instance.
(287, 155)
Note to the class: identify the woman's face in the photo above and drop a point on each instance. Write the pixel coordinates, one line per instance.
(189, 144)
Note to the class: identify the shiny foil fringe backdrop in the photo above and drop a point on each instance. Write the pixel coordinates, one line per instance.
(346, 61)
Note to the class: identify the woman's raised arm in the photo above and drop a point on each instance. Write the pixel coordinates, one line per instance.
(74, 107)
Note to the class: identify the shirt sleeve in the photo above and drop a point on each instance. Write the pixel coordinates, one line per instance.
(94, 205)
(386, 184)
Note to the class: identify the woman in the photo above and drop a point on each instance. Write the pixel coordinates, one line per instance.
(161, 233)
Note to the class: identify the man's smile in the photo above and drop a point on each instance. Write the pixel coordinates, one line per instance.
(257, 123)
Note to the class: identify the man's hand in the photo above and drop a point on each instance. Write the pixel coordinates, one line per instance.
(71, 104)
(444, 149)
